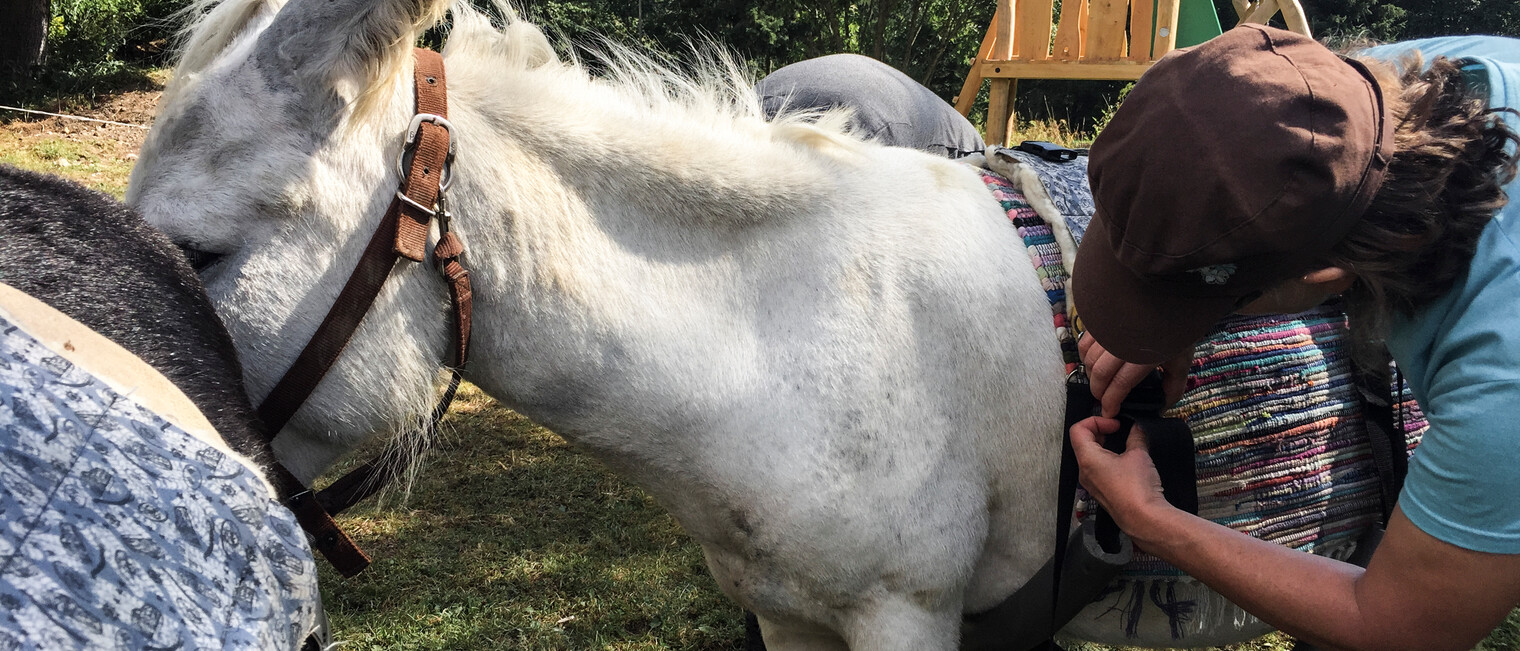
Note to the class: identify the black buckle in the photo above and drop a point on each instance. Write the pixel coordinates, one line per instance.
(1148, 397)
(1048, 150)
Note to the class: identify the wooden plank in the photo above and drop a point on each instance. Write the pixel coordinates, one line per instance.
(1068, 44)
(1242, 8)
(1053, 69)
(999, 111)
(1166, 27)
(973, 83)
(1034, 29)
(1105, 30)
(1293, 16)
(1140, 14)
(1002, 22)
(1261, 12)
(1082, 27)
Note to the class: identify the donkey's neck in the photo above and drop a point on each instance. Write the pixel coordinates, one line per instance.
(614, 240)
(691, 164)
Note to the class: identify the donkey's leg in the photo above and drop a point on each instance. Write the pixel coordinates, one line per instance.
(900, 623)
(783, 637)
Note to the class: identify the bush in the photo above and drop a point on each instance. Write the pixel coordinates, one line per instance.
(94, 36)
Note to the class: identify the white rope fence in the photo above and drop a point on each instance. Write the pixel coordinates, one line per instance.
(72, 117)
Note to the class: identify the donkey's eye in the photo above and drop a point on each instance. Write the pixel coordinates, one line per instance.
(199, 260)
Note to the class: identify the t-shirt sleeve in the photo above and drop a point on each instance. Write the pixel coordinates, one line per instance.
(1464, 479)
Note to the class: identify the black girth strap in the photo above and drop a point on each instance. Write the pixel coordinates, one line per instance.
(1390, 451)
(1093, 553)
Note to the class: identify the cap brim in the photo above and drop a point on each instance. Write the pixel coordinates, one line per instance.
(1135, 319)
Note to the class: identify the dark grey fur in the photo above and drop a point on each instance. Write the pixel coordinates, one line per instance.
(96, 260)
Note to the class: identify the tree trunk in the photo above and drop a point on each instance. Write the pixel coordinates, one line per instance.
(879, 34)
(22, 36)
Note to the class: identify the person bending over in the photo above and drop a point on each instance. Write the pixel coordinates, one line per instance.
(1261, 173)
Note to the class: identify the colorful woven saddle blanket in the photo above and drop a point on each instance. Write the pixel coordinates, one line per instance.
(1281, 450)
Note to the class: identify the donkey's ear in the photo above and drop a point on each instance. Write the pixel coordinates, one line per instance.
(325, 40)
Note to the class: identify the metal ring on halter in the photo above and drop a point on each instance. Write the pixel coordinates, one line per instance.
(409, 148)
(442, 214)
(402, 196)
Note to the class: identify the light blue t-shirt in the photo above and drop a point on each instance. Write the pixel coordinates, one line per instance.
(1461, 354)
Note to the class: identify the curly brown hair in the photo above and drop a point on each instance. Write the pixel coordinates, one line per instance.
(1452, 158)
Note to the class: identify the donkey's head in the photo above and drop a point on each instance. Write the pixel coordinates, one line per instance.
(274, 153)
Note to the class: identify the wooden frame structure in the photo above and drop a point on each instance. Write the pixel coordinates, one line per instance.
(1092, 40)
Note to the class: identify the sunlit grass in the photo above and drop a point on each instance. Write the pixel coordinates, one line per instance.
(96, 165)
(514, 540)
(1056, 131)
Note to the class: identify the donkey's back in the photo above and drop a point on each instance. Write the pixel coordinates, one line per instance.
(94, 259)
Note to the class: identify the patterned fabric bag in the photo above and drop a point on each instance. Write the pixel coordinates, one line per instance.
(119, 530)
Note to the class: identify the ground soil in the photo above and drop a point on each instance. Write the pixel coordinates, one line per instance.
(97, 154)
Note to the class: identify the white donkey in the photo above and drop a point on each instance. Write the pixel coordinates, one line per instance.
(830, 360)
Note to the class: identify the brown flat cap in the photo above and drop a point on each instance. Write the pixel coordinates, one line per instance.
(1231, 166)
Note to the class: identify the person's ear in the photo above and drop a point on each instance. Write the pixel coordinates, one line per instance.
(1330, 277)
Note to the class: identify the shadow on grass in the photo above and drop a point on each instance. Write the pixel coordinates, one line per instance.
(512, 539)
(61, 91)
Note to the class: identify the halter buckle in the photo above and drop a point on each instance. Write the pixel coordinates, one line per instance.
(409, 149)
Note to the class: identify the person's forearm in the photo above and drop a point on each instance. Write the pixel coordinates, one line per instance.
(1289, 589)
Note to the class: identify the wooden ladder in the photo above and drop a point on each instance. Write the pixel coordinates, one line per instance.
(1092, 40)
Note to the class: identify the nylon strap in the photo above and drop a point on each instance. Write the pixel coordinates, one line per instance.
(402, 233)
(1390, 450)
(368, 479)
(1171, 448)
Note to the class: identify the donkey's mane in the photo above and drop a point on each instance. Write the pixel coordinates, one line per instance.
(716, 83)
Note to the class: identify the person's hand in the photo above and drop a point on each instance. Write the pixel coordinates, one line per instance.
(1113, 378)
(1127, 485)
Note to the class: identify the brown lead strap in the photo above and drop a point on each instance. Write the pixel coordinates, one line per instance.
(402, 233)
(366, 480)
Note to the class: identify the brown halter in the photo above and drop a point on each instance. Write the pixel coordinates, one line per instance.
(403, 233)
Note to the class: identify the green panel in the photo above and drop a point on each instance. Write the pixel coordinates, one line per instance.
(1196, 22)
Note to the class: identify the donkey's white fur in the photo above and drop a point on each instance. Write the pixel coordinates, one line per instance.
(830, 360)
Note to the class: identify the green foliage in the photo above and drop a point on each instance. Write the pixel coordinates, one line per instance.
(931, 40)
(1392, 20)
(98, 36)
(1445, 17)
(1378, 20)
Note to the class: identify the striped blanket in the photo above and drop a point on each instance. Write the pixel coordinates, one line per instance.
(1276, 418)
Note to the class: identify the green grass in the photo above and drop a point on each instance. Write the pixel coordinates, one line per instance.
(513, 540)
(96, 165)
